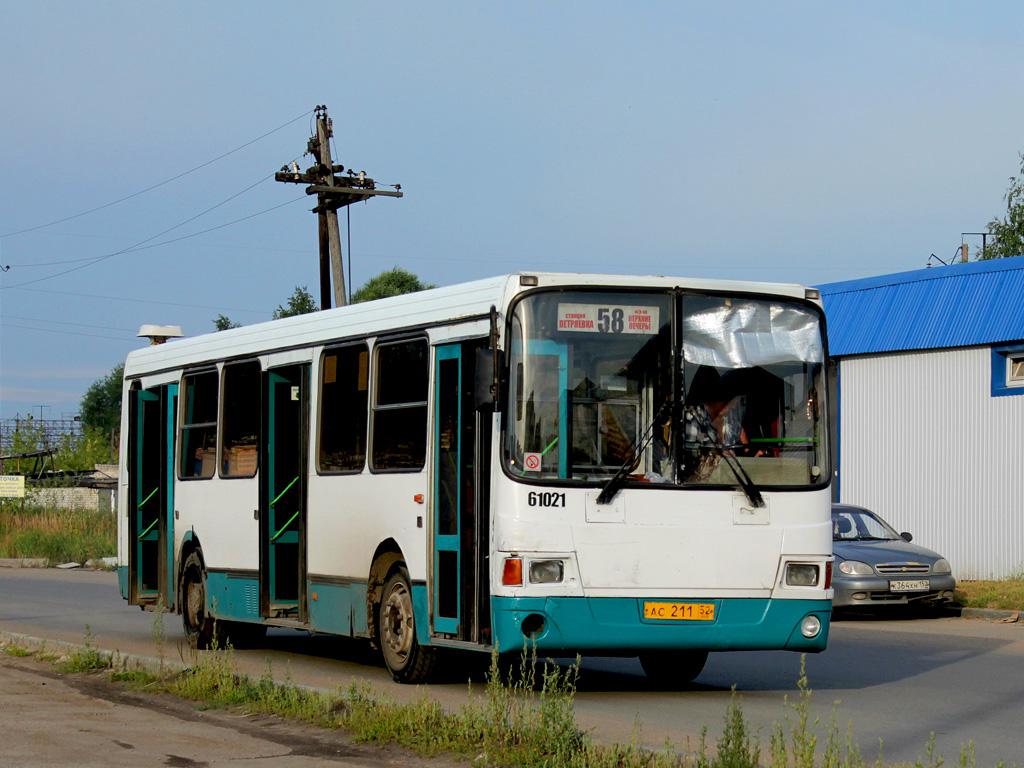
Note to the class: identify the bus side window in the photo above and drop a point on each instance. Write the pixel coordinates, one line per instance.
(240, 420)
(400, 405)
(344, 390)
(198, 450)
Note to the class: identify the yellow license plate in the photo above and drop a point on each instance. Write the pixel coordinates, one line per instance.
(680, 611)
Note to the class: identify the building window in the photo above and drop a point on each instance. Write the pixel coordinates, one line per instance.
(1015, 370)
(240, 420)
(344, 386)
(1008, 370)
(400, 405)
(198, 456)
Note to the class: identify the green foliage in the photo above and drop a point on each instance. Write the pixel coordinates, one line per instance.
(86, 658)
(527, 718)
(15, 650)
(737, 748)
(391, 282)
(100, 407)
(59, 535)
(71, 452)
(223, 323)
(1009, 230)
(299, 303)
(1004, 594)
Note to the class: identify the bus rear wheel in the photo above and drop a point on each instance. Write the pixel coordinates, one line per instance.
(673, 669)
(406, 659)
(201, 629)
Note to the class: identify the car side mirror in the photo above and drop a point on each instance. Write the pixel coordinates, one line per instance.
(907, 537)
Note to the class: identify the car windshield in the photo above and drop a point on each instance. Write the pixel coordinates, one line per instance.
(602, 386)
(850, 524)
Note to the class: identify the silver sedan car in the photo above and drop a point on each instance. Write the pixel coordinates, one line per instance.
(876, 566)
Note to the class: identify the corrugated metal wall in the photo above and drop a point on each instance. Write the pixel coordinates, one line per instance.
(925, 444)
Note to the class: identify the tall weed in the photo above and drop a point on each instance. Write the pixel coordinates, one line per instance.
(59, 535)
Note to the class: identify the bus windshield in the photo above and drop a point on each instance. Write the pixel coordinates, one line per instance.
(594, 390)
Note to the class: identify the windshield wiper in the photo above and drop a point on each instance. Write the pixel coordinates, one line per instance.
(749, 488)
(633, 457)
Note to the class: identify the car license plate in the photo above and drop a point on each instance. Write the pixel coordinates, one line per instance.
(680, 611)
(919, 585)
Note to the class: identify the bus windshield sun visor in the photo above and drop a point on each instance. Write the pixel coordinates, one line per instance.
(747, 334)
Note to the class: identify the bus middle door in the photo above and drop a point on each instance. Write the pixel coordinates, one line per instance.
(283, 494)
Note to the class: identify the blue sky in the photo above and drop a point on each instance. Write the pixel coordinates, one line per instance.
(794, 142)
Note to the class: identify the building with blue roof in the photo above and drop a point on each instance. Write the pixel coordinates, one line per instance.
(930, 406)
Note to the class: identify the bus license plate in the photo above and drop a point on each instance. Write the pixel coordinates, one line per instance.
(919, 585)
(680, 611)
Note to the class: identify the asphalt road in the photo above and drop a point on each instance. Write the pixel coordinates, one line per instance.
(895, 680)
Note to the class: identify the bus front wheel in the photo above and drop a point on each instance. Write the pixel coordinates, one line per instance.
(673, 669)
(406, 659)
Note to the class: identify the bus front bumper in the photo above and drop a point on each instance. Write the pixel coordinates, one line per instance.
(616, 625)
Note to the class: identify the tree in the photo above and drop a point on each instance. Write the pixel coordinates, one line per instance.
(299, 303)
(100, 407)
(222, 323)
(1009, 231)
(390, 282)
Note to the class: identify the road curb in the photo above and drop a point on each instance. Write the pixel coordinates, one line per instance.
(117, 659)
(120, 662)
(23, 562)
(987, 613)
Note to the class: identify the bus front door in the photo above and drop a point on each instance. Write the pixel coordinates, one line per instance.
(283, 494)
(151, 479)
(460, 590)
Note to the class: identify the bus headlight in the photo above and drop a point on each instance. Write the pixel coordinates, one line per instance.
(801, 575)
(547, 571)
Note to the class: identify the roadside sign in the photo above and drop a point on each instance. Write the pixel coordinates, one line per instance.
(12, 486)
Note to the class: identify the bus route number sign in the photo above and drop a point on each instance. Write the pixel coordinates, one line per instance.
(679, 611)
(610, 318)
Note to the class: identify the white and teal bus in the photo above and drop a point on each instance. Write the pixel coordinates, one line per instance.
(593, 464)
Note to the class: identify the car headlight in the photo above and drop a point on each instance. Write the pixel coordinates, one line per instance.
(941, 566)
(855, 568)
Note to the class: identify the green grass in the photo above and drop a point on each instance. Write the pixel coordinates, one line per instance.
(10, 649)
(58, 535)
(1005, 594)
(85, 658)
(524, 717)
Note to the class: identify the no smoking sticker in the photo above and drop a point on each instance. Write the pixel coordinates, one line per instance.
(532, 462)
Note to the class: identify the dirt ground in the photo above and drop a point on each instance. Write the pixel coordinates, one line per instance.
(83, 720)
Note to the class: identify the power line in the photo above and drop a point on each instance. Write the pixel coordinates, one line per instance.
(67, 333)
(162, 183)
(140, 246)
(145, 301)
(131, 247)
(59, 322)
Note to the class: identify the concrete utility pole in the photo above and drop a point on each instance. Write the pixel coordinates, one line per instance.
(333, 192)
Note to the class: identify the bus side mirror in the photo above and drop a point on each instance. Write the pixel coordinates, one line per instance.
(487, 381)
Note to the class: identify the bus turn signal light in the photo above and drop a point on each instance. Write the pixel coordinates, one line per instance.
(512, 574)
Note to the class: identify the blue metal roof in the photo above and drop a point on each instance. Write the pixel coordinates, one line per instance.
(956, 306)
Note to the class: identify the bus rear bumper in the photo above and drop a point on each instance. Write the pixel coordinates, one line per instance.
(616, 625)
